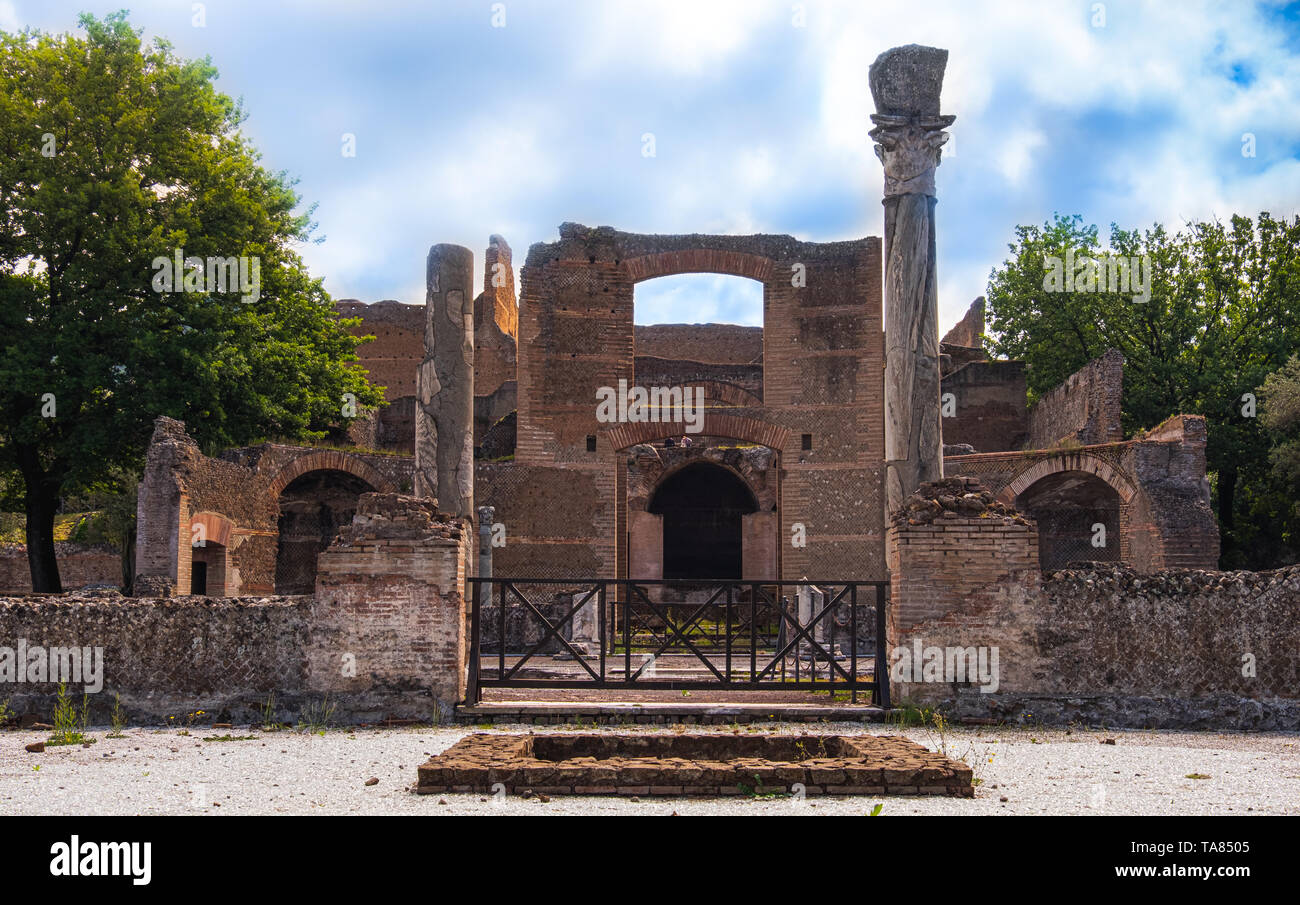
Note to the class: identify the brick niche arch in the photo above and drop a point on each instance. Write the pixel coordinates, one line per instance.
(330, 460)
(1083, 462)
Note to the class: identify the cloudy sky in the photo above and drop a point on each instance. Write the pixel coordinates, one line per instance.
(467, 125)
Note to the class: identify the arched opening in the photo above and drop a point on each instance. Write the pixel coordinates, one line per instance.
(1078, 518)
(312, 509)
(702, 507)
(699, 330)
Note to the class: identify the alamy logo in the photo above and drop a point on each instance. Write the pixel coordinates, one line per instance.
(1110, 273)
(945, 665)
(215, 274)
(103, 859)
(66, 665)
(665, 405)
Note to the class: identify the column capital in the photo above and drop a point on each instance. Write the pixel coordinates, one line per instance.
(910, 147)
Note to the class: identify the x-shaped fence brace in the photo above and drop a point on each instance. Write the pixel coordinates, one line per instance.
(695, 616)
(803, 632)
(552, 629)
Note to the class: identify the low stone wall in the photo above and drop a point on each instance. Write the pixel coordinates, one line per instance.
(1114, 647)
(165, 658)
(383, 637)
(80, 565)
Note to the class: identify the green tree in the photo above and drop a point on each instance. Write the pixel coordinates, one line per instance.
(113, 154)
(1224, 312)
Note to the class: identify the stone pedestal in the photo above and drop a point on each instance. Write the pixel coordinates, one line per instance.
(444, 423)
(905, 84)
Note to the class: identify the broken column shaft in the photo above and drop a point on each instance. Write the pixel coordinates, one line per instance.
(444, 423)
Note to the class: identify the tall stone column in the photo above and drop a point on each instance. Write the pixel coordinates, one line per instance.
(444, 421)
(905, 84)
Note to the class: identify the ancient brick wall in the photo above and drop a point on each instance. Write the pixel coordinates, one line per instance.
(550, 515)
(1107, 644)
(822, 377)
(1166, 520)
(1084, 409)
(714, 343)
(1173, 523)
(1110, 646)
(79, 565)
(988, 405)
(384, 636)
(724, 384)
(166, 657)
(388, 622)
(491, 408)
(235, 499)
(950, 545)
(496, 321)
(398, 344)
(968, 333)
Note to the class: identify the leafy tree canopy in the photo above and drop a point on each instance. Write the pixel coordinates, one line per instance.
(1223, 313)
(113, 154)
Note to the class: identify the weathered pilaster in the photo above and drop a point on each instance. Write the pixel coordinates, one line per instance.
(905, 84)
(444, 424)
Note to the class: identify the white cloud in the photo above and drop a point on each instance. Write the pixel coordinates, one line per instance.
(678, 36)
(1019, 153)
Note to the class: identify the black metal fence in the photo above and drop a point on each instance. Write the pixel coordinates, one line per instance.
(825, 636)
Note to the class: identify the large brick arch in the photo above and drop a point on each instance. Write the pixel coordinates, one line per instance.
(716, 424)
(698, 260)
(1078, 461)
(330, 460)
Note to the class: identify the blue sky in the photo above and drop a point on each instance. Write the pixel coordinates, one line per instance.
(1128, 112)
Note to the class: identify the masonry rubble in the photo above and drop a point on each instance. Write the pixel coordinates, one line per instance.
(957, 497)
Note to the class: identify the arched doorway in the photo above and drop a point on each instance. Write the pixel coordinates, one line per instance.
(703, 505)
(1078, 518)
(313, 506)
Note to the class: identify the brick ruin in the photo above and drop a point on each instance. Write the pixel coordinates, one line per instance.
(717, 764)
(804, 422)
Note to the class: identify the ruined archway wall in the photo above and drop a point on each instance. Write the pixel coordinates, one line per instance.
(1173, 525)
(235, 497)
(823, 366)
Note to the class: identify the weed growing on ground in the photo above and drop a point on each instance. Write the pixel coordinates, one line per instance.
(69, 722)
(117, 718)
(316, 717)
(269, 722)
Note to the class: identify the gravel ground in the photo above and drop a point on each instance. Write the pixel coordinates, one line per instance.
(1042, 771)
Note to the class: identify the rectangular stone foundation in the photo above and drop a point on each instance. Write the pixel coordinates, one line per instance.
(703, 764)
